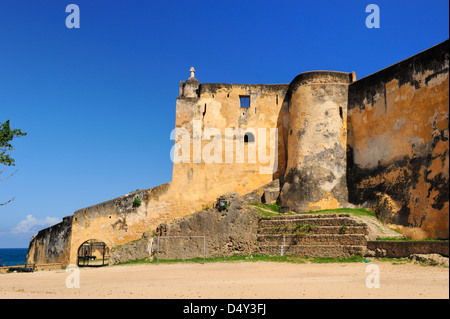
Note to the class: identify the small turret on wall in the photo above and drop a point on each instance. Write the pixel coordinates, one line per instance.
(190, 87)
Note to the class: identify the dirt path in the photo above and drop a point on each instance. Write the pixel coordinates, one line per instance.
(376, 228)
(260, 280)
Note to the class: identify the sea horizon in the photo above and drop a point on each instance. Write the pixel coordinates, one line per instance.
(13, 256)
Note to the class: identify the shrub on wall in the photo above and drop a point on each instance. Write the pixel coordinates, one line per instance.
(137, 202)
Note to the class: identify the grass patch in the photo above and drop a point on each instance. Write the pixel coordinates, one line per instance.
(297, 229)
(252, 258)
(267, 210)
(353, 211)
(303, 228)
(272, 207)
(268, 258)
(394, 261)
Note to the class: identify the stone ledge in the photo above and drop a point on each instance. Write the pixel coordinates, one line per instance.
(401, 249)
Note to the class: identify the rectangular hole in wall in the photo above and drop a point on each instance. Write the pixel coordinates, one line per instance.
(245, 101)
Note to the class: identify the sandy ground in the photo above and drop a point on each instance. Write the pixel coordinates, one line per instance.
(262, 280)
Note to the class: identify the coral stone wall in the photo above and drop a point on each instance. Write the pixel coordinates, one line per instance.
(316, 162)
(52, 244)
(381, 141)
(398, 143)
(213, 163)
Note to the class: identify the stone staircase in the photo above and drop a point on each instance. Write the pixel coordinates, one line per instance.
(313, 235)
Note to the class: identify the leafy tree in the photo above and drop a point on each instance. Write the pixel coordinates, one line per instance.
(6, 137)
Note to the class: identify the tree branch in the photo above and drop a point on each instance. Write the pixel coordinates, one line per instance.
(4, 179)
(1, 204)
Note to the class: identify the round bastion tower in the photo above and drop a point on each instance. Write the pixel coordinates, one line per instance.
(315, 175)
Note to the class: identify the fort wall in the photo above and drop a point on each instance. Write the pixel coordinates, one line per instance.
(398, 144)
(316, 166)
(52, 244)
(219, 167)
(328, 141)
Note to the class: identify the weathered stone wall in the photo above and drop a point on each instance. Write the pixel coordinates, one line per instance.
(230, 231)
(401, 249)
(113, 222)
(398, 161)
(135, 250)
(397, 157)
(217, 108)
(52, 244)
(316, 165)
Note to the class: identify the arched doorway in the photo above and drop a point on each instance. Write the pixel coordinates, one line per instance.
(93, 253)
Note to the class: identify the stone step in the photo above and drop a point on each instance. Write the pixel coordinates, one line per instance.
(313, 221)
(313, 239)
(333, 251)
(297, 229)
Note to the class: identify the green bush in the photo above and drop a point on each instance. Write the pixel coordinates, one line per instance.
(137, 202)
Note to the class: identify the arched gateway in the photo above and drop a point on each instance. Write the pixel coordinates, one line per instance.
(93, 253)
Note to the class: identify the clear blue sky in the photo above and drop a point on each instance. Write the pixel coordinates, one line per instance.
(98, 102)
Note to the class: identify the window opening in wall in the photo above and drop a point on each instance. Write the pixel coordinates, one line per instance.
(228, 95)
(249, 138)
(245, 101)
(277, 99)
(204, 111)
(340, 113)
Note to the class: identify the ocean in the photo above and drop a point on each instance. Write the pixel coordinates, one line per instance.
(13, 256)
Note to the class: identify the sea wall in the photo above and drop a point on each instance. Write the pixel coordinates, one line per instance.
(52, 244)
(398, 161)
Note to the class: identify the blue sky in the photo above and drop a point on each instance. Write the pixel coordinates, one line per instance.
(98, 102)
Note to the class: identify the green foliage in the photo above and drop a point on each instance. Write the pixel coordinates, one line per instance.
(6, 136)
(254, 258)
(267, 210)
(354, 211)
(274, 207)
(137, 202)
(301, 228)
(206, 207)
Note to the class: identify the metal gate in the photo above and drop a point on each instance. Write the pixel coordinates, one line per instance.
(93, 253)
